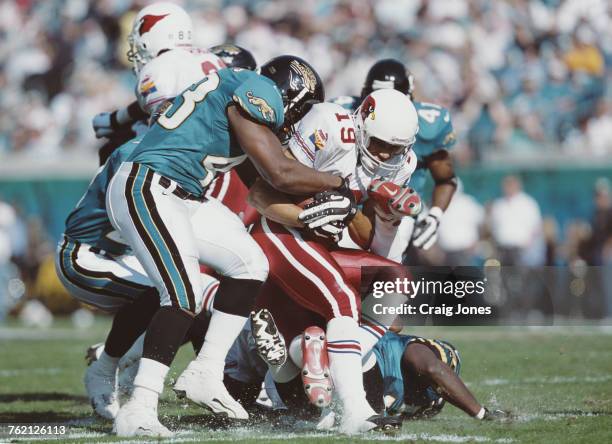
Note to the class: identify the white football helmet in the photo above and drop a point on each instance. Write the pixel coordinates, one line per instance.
(389, 116)
(158, 27)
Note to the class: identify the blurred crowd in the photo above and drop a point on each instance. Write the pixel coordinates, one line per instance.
(521, 77)
(553, 273)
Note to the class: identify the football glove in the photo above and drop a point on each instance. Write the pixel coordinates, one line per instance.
(392, 201)
(331, 231)
(330, 206)
(426, 229)
(105, 124)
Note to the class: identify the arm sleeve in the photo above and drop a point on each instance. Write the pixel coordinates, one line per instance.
(260, 99)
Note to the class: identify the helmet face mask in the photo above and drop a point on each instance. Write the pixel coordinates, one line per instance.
(386, 125)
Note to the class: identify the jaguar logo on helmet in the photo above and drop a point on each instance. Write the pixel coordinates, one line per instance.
(148, 21)
(310, 81)
(368, 108)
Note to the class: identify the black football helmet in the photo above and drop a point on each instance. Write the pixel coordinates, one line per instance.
(235, 56)
(388, 73)
(300, 87)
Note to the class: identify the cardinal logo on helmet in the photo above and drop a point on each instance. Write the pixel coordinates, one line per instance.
(148, 21)
(368, 108)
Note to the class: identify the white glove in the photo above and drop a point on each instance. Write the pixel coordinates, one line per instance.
(426, 230)
(328, 207)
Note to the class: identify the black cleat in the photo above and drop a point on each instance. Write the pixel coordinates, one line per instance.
(386, 424)
(496, 415)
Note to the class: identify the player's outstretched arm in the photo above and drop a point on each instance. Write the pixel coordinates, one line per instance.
(265, 151)
(273, 204)
(425, 363)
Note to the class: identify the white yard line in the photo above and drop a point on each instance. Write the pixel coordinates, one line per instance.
(12, 373)
(50, 334)
(544, 380)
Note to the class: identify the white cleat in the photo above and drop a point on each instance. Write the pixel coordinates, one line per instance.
(102, 391)
(138, 419)
(202, 387)
(270, 343)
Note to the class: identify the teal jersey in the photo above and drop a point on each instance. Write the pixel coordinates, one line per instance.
(435, 133)
(191, 141)
(88, 222)
(389, 352)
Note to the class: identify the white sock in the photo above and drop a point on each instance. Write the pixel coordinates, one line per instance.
(133, 354)
(151, 375)
(481, 413)
(107, 364)
(291, 368)
(223, 330)
(295, 351)
(145, 396)
(369, 334)
(345, 365)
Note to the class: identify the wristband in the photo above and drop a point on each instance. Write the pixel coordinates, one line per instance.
(114, 122)
(135, 112)
(436, 212)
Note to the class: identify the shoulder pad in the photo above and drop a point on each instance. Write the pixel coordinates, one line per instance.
(260, 98)
(327, 120)
(165, 77)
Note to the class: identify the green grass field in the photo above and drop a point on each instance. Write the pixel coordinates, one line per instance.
(556, 381)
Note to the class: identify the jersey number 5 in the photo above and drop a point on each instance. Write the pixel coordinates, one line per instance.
(186, 102)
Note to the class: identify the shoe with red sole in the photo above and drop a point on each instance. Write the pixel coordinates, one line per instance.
(315, 371)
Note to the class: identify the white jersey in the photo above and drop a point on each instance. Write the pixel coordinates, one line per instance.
(169, 74)
(325, 141)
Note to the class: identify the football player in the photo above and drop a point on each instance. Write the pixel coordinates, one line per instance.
(408, 376)
(165, 63)
(421, 374)
(211, 127)
(373, 143)
(434, 140)
(235, 56)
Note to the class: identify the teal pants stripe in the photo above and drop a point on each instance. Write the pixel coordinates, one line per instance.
(157, 244)
(79, 277)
